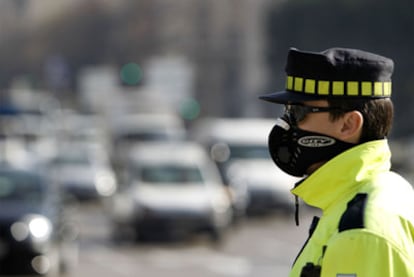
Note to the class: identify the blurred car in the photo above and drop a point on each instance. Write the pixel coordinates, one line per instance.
(82, 128)
(268, 186)
(84, 171)
(147, 127)
(172, 189)
(37, 235)
(127, 130)
(230, 140)
(33, 134)
(13, 151)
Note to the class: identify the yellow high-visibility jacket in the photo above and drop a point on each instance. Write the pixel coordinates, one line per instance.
(367, 223)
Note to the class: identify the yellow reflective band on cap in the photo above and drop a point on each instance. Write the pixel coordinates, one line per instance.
(323, 87)
(338, 88)
(387, 88)
(378, 88)
(310, 86)
(366, 88)
(289, 82)
(298, 84)
(353, 88)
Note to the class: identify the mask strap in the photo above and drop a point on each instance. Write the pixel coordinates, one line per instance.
(297, 203)
(297, 210)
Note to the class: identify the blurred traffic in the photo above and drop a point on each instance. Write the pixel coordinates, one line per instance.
(37, 235)
(152, 174)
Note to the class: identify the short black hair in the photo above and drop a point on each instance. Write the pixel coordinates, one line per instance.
(378, 115)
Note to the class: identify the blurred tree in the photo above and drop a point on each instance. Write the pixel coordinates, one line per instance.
(380, 26)
(87, 35)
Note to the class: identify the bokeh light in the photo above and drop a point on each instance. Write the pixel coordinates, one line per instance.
(131, 74)
(190, 109)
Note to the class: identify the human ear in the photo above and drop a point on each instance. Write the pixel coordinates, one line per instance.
(352, 123)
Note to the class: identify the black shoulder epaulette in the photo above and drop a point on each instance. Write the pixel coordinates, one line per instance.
(353, 217)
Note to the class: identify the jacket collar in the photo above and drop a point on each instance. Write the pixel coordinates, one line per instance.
(341, 176)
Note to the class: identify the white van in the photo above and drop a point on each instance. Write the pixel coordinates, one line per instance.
(171, 188)
(243, 141)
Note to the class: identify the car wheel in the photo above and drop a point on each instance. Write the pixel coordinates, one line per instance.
(216, 234)
(54, 264)
(122, 233)
(69, 257)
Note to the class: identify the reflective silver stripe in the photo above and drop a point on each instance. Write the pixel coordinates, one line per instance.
(281, 123)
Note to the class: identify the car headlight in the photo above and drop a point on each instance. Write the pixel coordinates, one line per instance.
(220, 202)
(105, 183)
(40, 228)
(36, 227)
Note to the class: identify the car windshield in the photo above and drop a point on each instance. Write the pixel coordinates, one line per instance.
(21, 187)
(249, 152)
(171, 174)
(143, 136)
(72, 158)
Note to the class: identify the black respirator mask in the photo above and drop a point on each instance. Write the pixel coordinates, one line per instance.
(293, 150)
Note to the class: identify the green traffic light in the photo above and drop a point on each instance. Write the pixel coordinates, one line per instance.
(131, 74)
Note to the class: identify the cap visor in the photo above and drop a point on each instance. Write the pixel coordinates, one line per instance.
(289, 97)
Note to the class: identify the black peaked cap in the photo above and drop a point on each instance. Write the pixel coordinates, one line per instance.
(350, 66)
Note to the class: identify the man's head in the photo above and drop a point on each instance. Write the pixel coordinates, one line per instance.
(334, 100)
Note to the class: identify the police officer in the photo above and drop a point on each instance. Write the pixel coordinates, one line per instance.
(338, 113)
